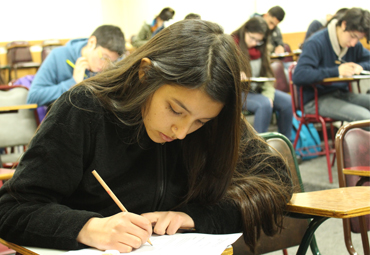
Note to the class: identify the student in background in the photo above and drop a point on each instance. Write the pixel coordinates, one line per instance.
(153, 126)
(263, 98)
(78, 59)
(147, 31)
(273, 17)
(193, 16)
(332, 52)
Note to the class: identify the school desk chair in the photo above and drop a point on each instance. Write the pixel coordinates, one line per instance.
(19, 57)
(352, 144)
(294, 228)
(305, 118)
(18, 123)
(281, 82)
(48, 46)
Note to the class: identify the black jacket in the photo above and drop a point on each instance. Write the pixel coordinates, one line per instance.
(53, 192)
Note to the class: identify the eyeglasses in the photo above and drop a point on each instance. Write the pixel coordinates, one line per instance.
(258, 42)
(102, 58)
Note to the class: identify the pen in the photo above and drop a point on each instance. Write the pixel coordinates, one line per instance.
(341, 61)
(112, 195)
(69, 62)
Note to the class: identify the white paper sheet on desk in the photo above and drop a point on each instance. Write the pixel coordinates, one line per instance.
(176, 244)
(361, 76)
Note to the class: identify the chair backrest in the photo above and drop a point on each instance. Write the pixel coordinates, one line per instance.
(287, 49)
(48, 46)
(294, 90)
(352, 144)
(294, 229)
(16, 128)
(18, 52)
(281, 82)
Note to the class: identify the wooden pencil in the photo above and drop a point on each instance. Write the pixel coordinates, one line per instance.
(112, 195)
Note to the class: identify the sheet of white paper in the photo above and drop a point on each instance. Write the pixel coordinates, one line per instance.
(189, 243)
(262, 79)
(361, 76)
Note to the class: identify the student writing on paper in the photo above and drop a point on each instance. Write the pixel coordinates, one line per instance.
(164, 130)
(263, 98)
(78, 59)
(321, 58)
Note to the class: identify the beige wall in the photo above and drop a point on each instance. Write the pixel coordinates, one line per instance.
(38, 20)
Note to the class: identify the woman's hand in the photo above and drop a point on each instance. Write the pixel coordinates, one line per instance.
(169, 222)
(123, 232)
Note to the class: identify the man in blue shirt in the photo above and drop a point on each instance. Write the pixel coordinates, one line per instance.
(333, 52)
(77, 60)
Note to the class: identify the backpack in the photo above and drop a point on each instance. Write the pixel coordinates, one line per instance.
(308, 141)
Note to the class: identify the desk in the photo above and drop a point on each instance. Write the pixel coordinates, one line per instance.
(342, 203)
(15, 108)
(294, 55)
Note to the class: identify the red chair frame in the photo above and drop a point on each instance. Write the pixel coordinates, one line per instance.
(297, 105)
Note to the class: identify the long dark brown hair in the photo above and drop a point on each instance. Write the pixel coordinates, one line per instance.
(256, 25)
(197, 54)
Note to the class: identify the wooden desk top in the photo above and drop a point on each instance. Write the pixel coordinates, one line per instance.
(357, 170)
(17, 107)
(340, 79)
(336, 203)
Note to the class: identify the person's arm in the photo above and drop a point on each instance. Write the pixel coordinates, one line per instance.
(143, 36)
(46, 87)
(31, 212)
(278, 43)
(307, 70)
(363, 56)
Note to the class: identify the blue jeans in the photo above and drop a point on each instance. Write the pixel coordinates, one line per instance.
(261, 107)
(339, 105)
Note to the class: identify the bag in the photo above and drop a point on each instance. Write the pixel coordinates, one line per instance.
(308, 141)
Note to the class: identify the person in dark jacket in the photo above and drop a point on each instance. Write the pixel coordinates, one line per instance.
(333, 52)
(163, 129)
(273, 17)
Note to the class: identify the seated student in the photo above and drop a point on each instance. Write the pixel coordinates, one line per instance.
(70, 64)
(147, 31)
(319, 60)
(153, 126)
(273, 17)
(263, 99)
(193, 16)
(317, 25)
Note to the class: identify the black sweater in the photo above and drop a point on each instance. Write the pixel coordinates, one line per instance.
(53, 192)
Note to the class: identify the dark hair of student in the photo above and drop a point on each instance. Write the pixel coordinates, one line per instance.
(192, 16)
(277, 12)
(356, 19)
(111, 38)
(256, 25)
(196, 54)
(166, 14)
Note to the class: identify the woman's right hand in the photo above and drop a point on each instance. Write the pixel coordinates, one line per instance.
(123, 232)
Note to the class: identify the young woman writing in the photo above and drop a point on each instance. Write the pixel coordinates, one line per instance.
(163, 129)
(263, 99)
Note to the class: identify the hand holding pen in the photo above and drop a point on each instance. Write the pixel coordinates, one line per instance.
(349, 68)
(123, 231)
(79, 68)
